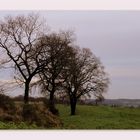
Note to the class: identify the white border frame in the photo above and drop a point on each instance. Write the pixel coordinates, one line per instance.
(70, 5)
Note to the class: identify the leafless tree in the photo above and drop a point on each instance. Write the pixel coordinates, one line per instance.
(58, 50)
(85, 76)
(19, 40)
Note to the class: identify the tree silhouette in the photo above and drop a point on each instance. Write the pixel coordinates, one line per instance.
(85, 76)
(18, 38)
(57, 51)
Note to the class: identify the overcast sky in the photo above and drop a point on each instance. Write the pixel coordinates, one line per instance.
(113, 36)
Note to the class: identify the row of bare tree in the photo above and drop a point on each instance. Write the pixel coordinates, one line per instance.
(50, 60)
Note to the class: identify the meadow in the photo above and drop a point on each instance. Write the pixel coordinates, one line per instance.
(100, 117)
(89, 117)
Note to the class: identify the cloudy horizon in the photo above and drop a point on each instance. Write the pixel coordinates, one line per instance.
(113, 36)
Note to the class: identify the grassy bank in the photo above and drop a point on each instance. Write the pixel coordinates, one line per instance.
(100, 117)
(89, 117)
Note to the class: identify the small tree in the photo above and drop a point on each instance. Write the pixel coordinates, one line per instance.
(99, 98)
(18, 38)
(84, 76)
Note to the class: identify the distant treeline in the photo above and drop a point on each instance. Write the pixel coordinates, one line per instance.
(20, 98)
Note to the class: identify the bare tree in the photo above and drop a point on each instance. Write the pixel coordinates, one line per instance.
(58, 48)
(84, 76)
(19, 39)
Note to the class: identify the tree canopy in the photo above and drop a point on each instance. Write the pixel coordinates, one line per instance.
(18, 38)
(60, 66)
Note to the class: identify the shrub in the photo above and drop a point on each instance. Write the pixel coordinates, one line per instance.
(7, 109)
(53, 110)
(7, 104)
(6, 117)
(48, 119)
(39, 115)
(29, 113)
(51, 107)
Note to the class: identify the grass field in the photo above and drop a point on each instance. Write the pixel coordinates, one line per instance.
(100, 117)
(90, 117)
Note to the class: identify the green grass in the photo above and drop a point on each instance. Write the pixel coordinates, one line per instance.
(12, 125)
(100, 117)
(90, 117)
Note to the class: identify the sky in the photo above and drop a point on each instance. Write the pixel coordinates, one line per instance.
(113, 36)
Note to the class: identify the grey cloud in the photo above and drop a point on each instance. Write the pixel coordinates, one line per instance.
(114, 36)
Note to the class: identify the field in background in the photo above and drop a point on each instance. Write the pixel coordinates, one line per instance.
(100, 117)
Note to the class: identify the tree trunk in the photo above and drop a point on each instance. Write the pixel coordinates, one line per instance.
(73, 105)
(51, 101)
(26, 93)
(52, 104)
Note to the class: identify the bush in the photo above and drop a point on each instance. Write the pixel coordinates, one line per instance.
(29, 113)
(53, 110)
(7, 104)
(51, 107)
(39, 115)
(7, 109)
